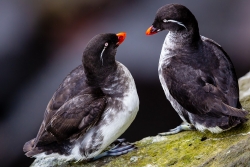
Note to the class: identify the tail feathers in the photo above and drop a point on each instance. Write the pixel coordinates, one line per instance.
(28, 145)
(233, 122)
(60, 148)
(223, 122)
(30, 149)
(229, 116)
(33, 152)
(230, 111)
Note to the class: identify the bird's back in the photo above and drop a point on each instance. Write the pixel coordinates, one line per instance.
(73, 86)
(224, 73)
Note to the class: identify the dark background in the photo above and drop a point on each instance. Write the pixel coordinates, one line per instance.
(41, 42)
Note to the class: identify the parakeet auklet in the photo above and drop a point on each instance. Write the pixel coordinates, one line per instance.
(92, 107)
(196, 74)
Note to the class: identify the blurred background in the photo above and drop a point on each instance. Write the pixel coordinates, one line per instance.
(41, 42)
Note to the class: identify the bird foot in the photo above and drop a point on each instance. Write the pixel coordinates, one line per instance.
(121, 147)
(182, 127)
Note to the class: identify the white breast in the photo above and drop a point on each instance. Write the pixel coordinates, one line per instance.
(123, 118)
(116, 122)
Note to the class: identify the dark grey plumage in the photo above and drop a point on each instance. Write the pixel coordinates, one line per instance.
(80, 120)
(197, 75)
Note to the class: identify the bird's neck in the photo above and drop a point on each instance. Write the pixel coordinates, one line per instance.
(96, 74)
(190, 38)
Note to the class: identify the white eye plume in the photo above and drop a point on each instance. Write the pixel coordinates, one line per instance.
(105, 46)
(174, 21)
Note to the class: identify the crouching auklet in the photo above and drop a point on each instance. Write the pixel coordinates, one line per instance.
(92, 107)
(196, 74)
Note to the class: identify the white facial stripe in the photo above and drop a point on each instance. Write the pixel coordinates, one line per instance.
(174, 21)
(101, 54)
(105, 46)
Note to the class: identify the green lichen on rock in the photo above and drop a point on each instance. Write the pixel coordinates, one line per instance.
(244, 86)
(189, 149)
(245, 102)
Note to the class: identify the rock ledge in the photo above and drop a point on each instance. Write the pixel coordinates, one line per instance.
(189, 149)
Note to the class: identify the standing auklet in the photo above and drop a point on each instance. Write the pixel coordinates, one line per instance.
(196, 74)
(92, 107)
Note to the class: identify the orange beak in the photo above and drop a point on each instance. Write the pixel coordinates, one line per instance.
(121, 37)
(151, 30)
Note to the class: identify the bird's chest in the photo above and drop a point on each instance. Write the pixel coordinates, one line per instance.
(163, 79)
(164, 62)
(119, 113)
(178, 108)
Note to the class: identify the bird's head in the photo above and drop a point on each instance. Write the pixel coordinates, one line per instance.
(101, 49)
(99, 55)
(173, 17)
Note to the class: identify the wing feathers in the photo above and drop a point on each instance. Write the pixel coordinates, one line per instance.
(230, 111)
(70, 121)
(75, 116)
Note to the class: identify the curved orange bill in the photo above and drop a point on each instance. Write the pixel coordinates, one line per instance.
(121, 37)
(151, 30)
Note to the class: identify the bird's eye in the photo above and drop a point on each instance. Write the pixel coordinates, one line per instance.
(165, 20)
(106, 44)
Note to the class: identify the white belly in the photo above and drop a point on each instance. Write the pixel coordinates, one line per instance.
(118, 122)
(115, 120)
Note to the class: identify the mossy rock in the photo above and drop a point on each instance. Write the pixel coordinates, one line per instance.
(244, 86)
(189, 149)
